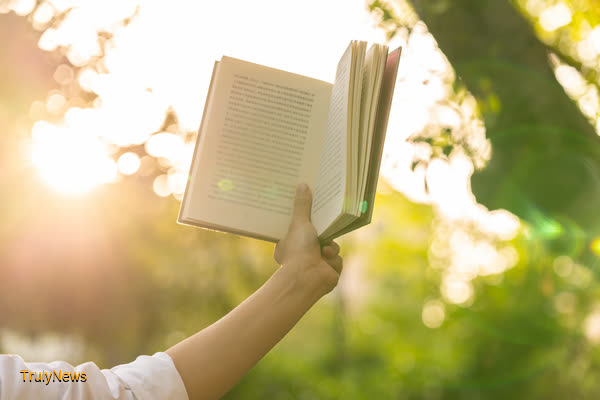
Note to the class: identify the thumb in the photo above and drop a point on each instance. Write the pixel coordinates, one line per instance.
(302, 204)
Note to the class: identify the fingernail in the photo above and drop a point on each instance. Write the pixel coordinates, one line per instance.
(302, 188)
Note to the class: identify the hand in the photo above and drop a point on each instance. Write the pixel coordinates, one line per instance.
(214, 359)
(299, 252)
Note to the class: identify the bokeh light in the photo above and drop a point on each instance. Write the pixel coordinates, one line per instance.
(63, 74)
(563, 266)
(591, 327)
(555, 17)
(165, 145)
(457, 289)
(565, 302)
(129, 163)
(161, 185)
(433, 314)
(177, 181)
(56, 103)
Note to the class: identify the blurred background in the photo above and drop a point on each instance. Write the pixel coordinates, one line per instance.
(478, 277)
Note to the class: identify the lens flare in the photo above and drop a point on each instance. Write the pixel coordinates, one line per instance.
(595, 246)
(225, 185)
(68, 161)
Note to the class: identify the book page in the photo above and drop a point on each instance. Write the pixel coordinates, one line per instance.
(263, 135)
(373, 75)
(331, 181)
(355, 116)
(390, 71)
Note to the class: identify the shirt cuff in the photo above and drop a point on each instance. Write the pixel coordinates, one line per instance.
(153, 377)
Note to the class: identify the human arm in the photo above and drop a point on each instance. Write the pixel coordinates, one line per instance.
(216, 358)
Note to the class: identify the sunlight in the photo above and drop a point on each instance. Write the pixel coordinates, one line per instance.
(456, 289)
(594, 39)
(591, 327)
(161, 186)
(147, 74)
(148, 71)
(69, 162)
(166, 145)
(555, 17)
(563, 266)
(23, 7)
(56, 103)
(129, 163)
(433, 314)
(575, 85)
(44, 348)
(595, 246)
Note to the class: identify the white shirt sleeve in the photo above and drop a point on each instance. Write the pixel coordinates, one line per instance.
(148, 377)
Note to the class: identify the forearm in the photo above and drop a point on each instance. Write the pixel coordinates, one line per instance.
(214, 359)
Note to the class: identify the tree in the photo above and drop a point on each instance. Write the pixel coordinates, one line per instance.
(545, 166)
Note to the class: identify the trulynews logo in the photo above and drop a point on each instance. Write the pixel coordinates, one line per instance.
(53, 376)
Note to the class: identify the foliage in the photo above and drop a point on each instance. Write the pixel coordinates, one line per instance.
(539, 136)
(113, 268)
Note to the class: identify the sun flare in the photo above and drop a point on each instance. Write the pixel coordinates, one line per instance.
(69, 162)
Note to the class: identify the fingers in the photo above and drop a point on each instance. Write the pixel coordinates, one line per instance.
(277, 253)
(328, 252)
(331, 250)
(331, 255)
(302, 204)
(336, 263)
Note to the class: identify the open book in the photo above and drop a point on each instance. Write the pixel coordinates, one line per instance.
(265, 130)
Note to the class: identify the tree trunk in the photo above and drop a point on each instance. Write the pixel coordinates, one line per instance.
(545, 154)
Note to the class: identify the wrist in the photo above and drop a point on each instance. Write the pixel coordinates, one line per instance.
(296, 283)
